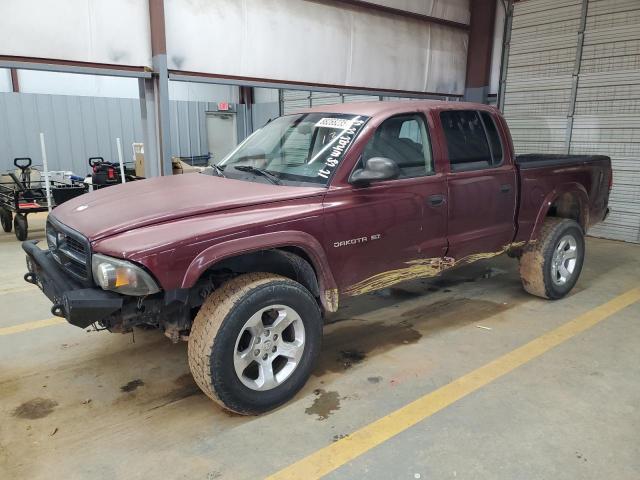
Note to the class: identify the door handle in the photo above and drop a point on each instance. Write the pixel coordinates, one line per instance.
(505, 188)
(436, 200)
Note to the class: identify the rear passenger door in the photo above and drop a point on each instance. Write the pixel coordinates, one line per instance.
(481, 184)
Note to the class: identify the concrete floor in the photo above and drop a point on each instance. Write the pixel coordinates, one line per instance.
(95, 405)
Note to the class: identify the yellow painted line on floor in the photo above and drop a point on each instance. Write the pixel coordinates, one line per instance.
(25, 327)
(347, 449)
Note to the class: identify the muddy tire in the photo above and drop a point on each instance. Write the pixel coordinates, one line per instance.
(254, 342)
(551, 266)
(21, 226)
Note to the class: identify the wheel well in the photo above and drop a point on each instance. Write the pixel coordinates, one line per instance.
(290, 262)
(567, 205)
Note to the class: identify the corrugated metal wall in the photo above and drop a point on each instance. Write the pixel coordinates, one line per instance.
(542, 54)
(607, 108)
(77, 128)
(189, 127)
(573, 85)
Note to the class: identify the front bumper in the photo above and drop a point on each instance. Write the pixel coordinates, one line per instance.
(79, 305)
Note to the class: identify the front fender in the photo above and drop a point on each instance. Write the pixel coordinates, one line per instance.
(264, 241)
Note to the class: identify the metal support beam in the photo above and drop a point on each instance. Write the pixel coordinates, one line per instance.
(483, 16)
(67, 66)
(376, 7)
(576, 76)
(157, 90)
(179, 76)
(151, 135)
(15, 83)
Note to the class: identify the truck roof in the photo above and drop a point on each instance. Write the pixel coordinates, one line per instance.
(372, 109)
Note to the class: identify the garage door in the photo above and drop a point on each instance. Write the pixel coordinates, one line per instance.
(573, 84)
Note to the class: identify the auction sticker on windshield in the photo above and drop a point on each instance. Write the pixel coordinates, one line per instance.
(341, 123)
(340, 143)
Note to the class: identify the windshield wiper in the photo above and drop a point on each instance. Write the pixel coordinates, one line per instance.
(260, 171)
(219, 170)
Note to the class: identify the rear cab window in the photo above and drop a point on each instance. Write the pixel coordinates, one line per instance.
(472, 138)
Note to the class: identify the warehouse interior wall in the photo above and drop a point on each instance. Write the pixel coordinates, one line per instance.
(313, 42)
(114, 32)
(399, 46)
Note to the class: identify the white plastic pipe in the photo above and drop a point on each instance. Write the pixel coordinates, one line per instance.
(45, 166)
(120, 159)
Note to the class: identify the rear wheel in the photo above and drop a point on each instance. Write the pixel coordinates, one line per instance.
(550, 267)
(254, 342)
(7, 219)
(21, 226)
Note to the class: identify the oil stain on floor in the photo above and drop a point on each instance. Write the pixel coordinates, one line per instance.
(350, 344)
(352, 341)
(184, 386)
(35, 408)
(324, 404)
(132, 386)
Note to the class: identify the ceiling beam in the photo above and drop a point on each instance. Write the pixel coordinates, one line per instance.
(395, 11)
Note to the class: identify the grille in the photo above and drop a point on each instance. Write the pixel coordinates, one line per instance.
(70, 249)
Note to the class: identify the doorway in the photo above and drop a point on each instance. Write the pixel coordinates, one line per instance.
(222, 134)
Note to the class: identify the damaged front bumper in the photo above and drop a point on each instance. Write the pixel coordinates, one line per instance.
(79, 305)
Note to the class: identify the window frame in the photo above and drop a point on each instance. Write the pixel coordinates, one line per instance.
(486, 132)
(425, 122)
(461, 167)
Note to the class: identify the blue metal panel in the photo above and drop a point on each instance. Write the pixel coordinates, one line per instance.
(79, 127)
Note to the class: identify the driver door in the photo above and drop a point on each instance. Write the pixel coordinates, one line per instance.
(376, 234)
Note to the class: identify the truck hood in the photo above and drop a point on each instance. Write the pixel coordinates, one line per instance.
(120, 208)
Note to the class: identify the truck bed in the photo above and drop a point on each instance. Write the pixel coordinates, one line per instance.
(544, 177)
(535, 160)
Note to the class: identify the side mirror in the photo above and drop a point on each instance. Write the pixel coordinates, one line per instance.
(375, 169)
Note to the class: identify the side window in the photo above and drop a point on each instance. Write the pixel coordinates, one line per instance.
(403, 139)
(494, 138)
(467, 142)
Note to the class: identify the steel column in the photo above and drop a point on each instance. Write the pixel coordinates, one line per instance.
(156, 90)
(483, 16)
(15, 83)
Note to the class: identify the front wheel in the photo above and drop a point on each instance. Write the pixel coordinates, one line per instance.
(550, 267)
(254, 342)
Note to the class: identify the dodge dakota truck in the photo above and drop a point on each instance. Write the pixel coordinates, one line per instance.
(244, 261)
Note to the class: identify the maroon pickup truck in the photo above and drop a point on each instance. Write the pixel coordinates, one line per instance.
(245, 260)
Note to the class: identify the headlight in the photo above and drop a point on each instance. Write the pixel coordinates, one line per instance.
(121, 276)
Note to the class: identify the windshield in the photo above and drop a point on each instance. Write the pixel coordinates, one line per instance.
(295, 149)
